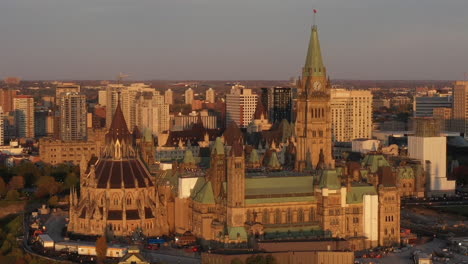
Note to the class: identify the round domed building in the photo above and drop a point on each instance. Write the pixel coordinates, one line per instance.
(117, 194)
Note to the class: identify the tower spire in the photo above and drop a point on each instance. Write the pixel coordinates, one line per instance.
(314, 64)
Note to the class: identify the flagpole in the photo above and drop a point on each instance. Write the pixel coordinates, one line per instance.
(313, 18)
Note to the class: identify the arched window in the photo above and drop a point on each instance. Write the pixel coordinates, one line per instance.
(278, 216)
(266, 216)
(312, 214)
(289, 216)
(393, 231)
(300, 215)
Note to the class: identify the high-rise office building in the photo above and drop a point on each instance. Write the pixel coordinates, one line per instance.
(2, 130)
(73, 115)
(6, 99)
(210, 95)
(278, 103)
(63, 88)
(23, 106)
(240, 106)
(460, 108)
(153, 113)
(351, 114)
(423, 106)
(189, 96)
(169, 97)
(102, 97)
(444, 115)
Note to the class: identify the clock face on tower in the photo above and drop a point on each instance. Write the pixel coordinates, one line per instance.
(317, 85)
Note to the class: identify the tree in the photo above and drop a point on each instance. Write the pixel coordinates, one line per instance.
(47, 185)
(269, 259)
(71, 180)
(6, 247)
(236, 261)
(101, 249)
(255, 259)
(12, 195)
(3, 189)
(53, 201)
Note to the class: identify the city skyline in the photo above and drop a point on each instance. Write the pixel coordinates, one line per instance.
(249, 41)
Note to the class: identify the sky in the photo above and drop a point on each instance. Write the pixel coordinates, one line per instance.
(232, 39)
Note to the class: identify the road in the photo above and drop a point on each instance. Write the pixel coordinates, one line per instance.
(153, 256)
(405, 257)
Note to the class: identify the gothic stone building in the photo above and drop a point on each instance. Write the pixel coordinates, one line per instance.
(117, 192)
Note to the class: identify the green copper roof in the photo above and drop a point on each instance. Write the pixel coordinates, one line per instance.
(293, 199)
(279, 185)
(188, 157)
(203, 192)
(274, 163)
(237, 232)
(218, 147)
(148, 135)
(329, 179)
(314, 64)
(405, 172)
(253, 158)
(374, 162)
(356, 193)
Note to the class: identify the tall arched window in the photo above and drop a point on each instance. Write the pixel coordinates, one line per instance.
(266, 216)
(300, 215)
(278, 216)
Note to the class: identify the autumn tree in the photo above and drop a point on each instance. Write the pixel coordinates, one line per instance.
(101, 249)
(3, 188)
(12, 195)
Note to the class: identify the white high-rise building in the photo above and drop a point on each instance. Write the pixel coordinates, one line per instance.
(153, 113)
(351, 112)
(210, 95)
(102, 97)
(430, 147)
(23, 106)
(169, 97)
(240, 106)
(73, 116)
(188, 96)
(2, 129)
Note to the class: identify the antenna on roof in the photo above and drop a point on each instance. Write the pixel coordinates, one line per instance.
(313, 18)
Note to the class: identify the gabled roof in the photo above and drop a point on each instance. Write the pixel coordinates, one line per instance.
(188, 157)
(374, 161)
(118, 128)
(253, 158)
(218, 147)
(329, 179)
(356, 193)
(274, 163)
(203, 192)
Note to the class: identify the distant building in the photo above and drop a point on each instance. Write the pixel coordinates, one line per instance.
(189, 96)
(210, 95)
(240, 106)
(169, 96)
(73, 116)
(102, 97)
(278, 103)
(380, 102)
(6, 99)
(183, 122)
(24, 115)
(460, 108)
(351, 112)
(400, 100)
(444, 115)
(63, 88)
(423, 106)
(2, 129)
(430, 147)
(153, 113)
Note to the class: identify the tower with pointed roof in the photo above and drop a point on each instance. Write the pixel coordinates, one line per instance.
(313, 121)
(236, 186)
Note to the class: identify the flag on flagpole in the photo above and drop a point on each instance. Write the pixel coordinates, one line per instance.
(315, 11)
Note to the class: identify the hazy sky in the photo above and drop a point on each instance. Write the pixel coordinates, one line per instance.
(232, 39)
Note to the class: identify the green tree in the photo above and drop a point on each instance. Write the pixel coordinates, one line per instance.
(101, 249)
(47, 185)
(12, 195)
